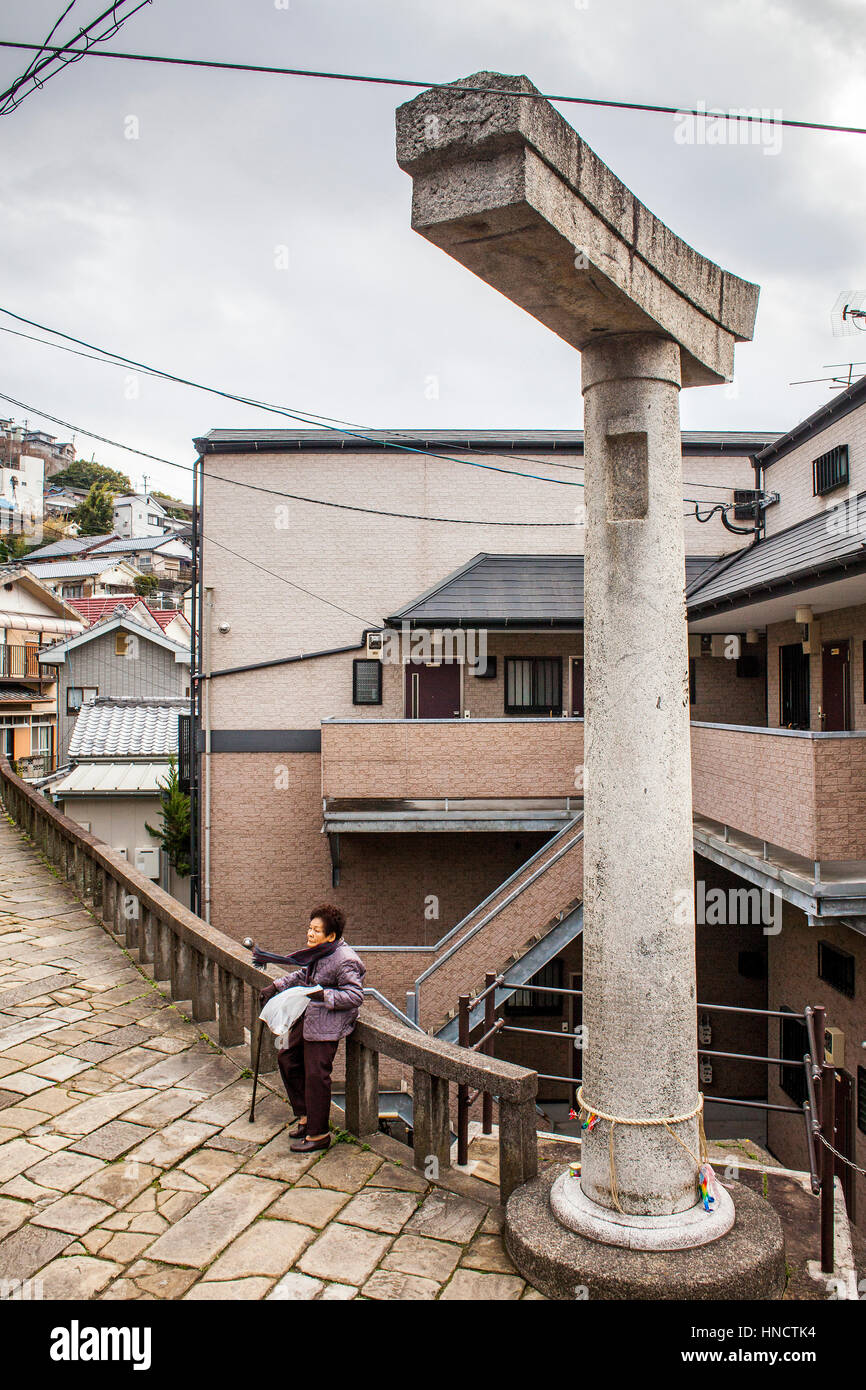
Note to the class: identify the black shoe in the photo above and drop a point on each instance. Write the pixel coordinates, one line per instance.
(308, 1146)
(299, 1132)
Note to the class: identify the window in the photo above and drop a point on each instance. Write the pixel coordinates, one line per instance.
(533, 685)
(152, 520)
(861, 1099)
(366, 682)
(40, 739)
(78, 695)
(836, 968)
(793, 1046)
(525, 1001)
(794, 687)
(71, 590)
(121, 642)
(830, 470)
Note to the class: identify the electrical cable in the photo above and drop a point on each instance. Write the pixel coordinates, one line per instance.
(109, 357)
(62, 56)
(657, 109)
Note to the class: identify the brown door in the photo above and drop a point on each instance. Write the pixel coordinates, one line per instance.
(844, 1140)
(836, 702)
(433, 692)
(577, 686)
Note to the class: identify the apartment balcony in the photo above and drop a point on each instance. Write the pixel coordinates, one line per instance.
(792, 802)
(451, 774)
(22, 662)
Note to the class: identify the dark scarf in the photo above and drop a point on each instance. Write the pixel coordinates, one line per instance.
(306, 958)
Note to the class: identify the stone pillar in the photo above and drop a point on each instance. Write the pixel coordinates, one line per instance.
(639, 960)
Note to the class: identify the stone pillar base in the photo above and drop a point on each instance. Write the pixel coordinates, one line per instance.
(682, 1231)
(748, 1262)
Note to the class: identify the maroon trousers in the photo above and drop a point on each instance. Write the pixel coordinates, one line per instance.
(306, 1071)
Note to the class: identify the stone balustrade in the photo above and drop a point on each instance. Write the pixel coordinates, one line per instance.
(435, 1066)
(213, 972)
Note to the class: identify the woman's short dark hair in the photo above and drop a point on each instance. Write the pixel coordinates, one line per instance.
(333, 919)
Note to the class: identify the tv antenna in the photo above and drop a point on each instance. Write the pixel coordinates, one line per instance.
(837, 383)
(848, 315)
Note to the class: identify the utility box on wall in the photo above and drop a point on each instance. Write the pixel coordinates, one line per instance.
(147, 862)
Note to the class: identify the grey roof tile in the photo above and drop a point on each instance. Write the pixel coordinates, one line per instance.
(115, 728)
(498, 589)
(817, 545)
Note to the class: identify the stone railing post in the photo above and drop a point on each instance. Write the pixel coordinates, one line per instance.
(162, 950)
(362, 1088)
(231, 1008)
(180, 963)
(431, 1120)
(518, 1145)
(268, 1055)
(203, 992)
(146, 937)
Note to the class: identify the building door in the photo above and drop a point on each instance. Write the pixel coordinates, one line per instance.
(794, 687)
(844, 1140)
(577, 686)
(433, 691)
(836, 677)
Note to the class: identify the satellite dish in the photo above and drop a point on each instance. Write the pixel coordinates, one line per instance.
(848, 315)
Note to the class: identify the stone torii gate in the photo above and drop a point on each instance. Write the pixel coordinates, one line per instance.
(510, 190)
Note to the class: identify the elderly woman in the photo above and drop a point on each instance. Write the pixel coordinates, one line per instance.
(306, 1063)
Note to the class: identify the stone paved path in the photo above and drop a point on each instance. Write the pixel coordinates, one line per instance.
(129, 1170)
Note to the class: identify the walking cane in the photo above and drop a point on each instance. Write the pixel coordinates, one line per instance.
(248, 943)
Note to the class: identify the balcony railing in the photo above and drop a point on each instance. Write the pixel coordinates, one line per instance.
(803, 792)
(405, 759)
(21, 661)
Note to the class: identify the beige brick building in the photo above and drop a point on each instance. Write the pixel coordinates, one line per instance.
(438, 801)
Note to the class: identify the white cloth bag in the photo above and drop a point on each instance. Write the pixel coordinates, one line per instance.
(284, 1010)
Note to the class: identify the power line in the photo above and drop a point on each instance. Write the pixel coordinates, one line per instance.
(368, 622)
(38, 73)
(273, 492)
(290, 414)
(698, 112)
(28, 71)
(110, 358)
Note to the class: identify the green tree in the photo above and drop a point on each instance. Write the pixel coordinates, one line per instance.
(145, 585)
(83, 474)
(12, 547)
(95, 515)
(173, 835)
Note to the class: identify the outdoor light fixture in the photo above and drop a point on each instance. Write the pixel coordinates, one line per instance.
(803, 615)
(753, 636)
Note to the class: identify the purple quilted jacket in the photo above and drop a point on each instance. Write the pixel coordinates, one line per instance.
(341, 976)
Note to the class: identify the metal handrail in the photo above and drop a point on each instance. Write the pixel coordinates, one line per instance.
(812, 1017)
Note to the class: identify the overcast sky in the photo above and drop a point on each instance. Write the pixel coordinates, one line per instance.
(164, 247)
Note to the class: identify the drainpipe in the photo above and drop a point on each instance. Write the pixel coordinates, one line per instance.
(207, 629)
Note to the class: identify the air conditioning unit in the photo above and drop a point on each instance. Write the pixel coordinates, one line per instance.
(375, 644)
(834, 1047)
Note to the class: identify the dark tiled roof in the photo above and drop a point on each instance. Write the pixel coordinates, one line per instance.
(495, 590)
(19, 694)
(819, 546)
(742, 442)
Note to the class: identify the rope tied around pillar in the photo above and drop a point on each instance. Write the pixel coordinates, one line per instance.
(706, 1178)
